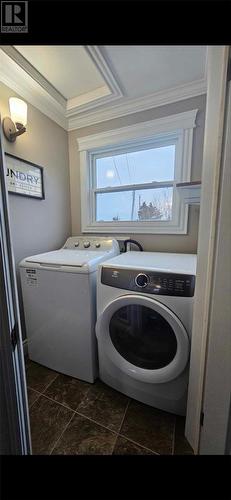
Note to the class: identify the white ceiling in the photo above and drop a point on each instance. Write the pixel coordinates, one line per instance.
(143, 70)
(69, 68)
(80, 85)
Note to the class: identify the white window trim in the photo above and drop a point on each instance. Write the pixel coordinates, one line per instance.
(178, 127)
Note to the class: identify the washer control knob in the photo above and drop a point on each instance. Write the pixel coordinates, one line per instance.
(86, 244)
(141, 280)
(97, 245)
(76, 244)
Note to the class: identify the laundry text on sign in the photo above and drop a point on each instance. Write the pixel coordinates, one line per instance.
(22, 177)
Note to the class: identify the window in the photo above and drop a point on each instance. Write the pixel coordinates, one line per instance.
(129, 176)
(134, 185)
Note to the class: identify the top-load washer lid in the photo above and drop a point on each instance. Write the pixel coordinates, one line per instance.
(178, 263)
(67, 260)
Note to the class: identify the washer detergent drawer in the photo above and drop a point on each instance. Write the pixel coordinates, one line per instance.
(143, 338)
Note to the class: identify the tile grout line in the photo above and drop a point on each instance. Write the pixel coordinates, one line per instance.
(124, 415)
(103, 426)
(173, 437)
(65, 428)
(57, 402)
(37, 392)
(117, 433)
(32, 389)
(139, 444)
(45, 388)
(94, 421)
(78, 413)
(125, 411)
(125, 437)
(51, 382)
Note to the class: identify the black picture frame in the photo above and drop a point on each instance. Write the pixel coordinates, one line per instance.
(32, 189)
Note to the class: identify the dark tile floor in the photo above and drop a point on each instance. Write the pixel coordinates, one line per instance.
(71, 417)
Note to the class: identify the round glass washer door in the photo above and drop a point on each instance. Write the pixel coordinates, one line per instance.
(143, 338)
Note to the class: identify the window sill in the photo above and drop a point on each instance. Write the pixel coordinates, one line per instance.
(142, 228)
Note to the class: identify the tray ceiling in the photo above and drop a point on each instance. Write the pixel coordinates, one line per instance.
(69, 69)
(147, 69)
(79, 85)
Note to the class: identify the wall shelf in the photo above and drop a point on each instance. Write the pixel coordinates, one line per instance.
(190, 192)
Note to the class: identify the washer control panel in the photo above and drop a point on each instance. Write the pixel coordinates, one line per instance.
(91, 243)
(153, 282)
(142, 280)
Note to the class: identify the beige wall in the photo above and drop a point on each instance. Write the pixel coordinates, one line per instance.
(164, 243)
(40, 225)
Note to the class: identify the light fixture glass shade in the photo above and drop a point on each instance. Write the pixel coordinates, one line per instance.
(18, 110)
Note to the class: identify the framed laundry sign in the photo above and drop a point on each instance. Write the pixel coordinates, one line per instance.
(24, 178)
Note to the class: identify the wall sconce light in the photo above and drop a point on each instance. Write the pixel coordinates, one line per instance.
(16, 125)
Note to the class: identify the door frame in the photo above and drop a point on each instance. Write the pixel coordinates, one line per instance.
(217, 386)
(12, 368)
(217, 64)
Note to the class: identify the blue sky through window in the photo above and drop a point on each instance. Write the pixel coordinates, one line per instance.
(137, 167)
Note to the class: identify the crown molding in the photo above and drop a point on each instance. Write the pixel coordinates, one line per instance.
(105, 69)
(110, 89)
(31, 71)
(94, 107)
(130, 106)
(15, 77)
(99, 96)
(22, 77)
(83, 99)
(89, 101)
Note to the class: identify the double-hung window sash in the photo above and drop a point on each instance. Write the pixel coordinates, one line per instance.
(133, 184)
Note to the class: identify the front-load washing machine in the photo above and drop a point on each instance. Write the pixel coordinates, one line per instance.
(144, 326)
(59, 301)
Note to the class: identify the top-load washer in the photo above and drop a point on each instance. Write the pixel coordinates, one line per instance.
(59, 291)
(144, 326)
